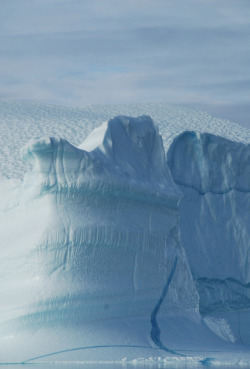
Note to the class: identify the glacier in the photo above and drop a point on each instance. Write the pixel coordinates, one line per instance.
(132, 244)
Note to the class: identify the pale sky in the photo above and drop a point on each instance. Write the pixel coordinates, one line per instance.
(76, 52)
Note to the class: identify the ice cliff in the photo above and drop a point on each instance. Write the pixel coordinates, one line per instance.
(213, 174)
(115, 249)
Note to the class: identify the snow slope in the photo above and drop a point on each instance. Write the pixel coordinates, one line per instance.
(111, 249)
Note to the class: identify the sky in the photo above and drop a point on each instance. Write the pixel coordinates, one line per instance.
(194, 53)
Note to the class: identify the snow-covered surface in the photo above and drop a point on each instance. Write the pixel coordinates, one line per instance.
(123, 244)
(21, 122)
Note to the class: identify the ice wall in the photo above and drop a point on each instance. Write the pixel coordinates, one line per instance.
(96, 239)
(213, 174)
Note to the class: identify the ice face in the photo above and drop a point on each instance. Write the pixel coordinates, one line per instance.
(214, 175)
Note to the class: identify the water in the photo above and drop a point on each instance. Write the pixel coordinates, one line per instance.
(124, 365)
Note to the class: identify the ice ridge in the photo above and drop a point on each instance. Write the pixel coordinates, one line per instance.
(23, 120)
(124, 150)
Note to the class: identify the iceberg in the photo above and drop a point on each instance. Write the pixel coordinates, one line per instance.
(126, 247)
(98, 240)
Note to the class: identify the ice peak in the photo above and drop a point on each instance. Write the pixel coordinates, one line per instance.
(113, 136)
(124, 150)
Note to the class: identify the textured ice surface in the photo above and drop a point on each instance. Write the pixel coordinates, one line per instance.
(110, 250)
